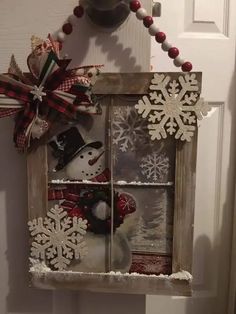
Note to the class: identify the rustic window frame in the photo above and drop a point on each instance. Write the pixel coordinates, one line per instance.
(185, 177)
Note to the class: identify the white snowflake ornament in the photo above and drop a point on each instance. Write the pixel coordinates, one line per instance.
(57, 238)
(173, 106)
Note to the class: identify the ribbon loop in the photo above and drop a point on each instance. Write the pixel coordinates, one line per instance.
(38, 105)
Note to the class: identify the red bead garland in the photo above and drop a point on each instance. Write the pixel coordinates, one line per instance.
(67, 28)
(78, 11)
(134, 5)
(173, 52)
(147, 21)
(160, 37)
(187, 67)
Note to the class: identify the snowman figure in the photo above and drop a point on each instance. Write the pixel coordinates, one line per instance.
(85, 162)
(81, 161)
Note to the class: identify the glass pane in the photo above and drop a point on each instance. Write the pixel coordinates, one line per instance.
(147, 227)
(136, 157)
(93, 204)
(80, 151)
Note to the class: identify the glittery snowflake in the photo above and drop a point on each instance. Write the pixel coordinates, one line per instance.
(173, 106)
(155, 166)
(58, 238)
(129, 129)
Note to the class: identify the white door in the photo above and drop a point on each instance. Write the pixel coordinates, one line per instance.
(205, 33)
(127, 49)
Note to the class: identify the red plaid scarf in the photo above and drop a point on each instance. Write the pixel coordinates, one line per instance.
(70, 194)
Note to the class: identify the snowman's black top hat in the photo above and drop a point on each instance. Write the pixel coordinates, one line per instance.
(67, 145)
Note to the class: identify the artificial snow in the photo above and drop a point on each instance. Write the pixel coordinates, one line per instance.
(40, 267)
(139, 183)
(87, 182)
(120, 182)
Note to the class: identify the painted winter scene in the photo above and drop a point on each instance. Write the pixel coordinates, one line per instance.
(105, 162)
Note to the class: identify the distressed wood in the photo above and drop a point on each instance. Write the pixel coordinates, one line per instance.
(185, 180)
(185, 173)
(37, 170)
(130, 83)
(94, 282)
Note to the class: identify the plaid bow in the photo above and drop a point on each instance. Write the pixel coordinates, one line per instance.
(53, 93)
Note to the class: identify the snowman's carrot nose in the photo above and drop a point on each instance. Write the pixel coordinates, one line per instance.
(91, 162)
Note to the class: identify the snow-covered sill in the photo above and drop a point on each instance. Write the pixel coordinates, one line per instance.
(182, 275)
(118, 183)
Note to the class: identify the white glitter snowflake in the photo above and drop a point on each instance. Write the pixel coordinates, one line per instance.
(155, 166)
(172, 106)
(129, 129)
(58, 238)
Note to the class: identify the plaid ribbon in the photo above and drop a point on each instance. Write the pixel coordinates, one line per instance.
(8, 112)
(22, 92)
(58, 91)
(54, 82)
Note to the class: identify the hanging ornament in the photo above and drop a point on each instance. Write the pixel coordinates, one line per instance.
(173, 106)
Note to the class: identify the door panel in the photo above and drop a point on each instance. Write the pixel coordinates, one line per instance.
(209, 17)
(126, 49)
(205, 32)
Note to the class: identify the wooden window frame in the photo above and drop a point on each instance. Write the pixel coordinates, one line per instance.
(185, 177)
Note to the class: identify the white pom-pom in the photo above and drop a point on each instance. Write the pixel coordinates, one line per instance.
(101, 210)
(178, 62)
(141, 13)
(166, 45)
(61, 36)
(153, 29)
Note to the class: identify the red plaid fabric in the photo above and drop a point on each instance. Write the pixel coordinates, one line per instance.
(69, 195)
(25, 117)
(105, 176)
(61, 79)
(8, 112)
(20, 141)
(68, 83)
(15, 91)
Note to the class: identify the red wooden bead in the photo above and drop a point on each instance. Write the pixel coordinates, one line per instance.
(160, 37)
(67, 28)
(187, 67)
(134, 5)
(147, 21)
(173, 52)
(79, 11)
